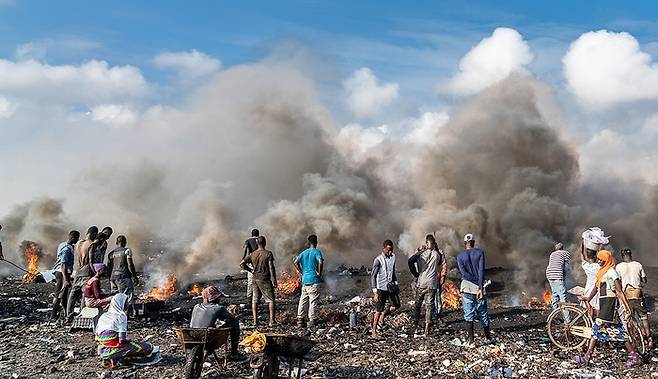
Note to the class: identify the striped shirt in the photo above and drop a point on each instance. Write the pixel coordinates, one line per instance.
(557, 264)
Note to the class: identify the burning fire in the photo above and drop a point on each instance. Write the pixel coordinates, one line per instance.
(196, 290)
(545, 301)
(450, 296)
(166, 291)
(288, 284)
(31, 252)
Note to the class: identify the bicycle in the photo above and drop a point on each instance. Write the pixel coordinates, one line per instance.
(577, 331)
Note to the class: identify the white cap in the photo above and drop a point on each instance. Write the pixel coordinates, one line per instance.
(469, 237)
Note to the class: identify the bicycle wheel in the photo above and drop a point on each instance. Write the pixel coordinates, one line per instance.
(569, 327)
(637, 338)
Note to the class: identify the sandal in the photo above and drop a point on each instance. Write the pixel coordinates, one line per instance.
(582, 360)
(633, 360)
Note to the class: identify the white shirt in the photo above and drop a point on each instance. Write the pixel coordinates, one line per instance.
(631, 273)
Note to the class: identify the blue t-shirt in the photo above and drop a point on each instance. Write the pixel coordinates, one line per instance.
(64, 257)
(309, 259)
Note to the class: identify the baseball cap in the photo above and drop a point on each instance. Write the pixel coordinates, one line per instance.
(469, 237)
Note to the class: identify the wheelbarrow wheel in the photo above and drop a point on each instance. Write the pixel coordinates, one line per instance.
(194, 362)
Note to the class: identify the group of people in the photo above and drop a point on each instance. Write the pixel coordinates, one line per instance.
(611, 289)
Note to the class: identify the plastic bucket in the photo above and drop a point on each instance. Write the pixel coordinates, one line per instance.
(592, 245)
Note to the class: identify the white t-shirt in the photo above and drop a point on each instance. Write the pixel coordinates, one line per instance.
(631, 273)
(591, 269)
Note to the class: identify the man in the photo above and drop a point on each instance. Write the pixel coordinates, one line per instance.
(249, 247)
(309, 263)
(82, 270)
(425, 265)
(384, 283)
(123, 275)
(261, 264)
(474, 299)
(99, 248)
(633, 278)
(63, 270)
(558, 262)
(2, 257)
(206, 315)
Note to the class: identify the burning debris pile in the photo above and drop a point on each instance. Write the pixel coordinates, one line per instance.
(164, 291)
(288, 285)
(541, 302)
(450, 296)
(32, 253)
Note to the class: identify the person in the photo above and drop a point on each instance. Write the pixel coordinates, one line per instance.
(608, 285)
(92, 294)
(2, 257)
(63, 270)
(558, 262)
(310, 264)
(426, 266)
(470, 262)
(633, 278)
(591, 267)
(82, 269)
(99, 247)
(261, 264)
(384, 283)
(111, 332)
(123, 276)
(206, 315)
(249, 247)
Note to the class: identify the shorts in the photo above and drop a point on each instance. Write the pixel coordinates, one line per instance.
(60, 291)
(383, 297)
(263, 288)
(638, 308)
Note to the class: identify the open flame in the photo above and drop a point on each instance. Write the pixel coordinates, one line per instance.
(543, 302)
(31, 251)
(166, 291)
(450, 296)
(196, 290)
(288, 284)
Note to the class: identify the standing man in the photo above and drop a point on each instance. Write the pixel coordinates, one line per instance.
(555, 274)
(99, 248)
(425, 266)
(309, 263)
(2, 257)
(384, 283)
(63, 270)
(123, 275)
(249, 246)
(633, 279)
(82, 270)
(474, 298)
(261, 264)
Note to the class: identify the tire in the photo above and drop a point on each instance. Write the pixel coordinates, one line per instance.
(194, 362)
(560, 332)
(637, 339)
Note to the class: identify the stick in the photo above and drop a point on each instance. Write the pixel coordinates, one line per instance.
(18, 267)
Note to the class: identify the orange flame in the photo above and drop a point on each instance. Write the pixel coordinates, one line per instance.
(166, 291)
(450, 296)
(544, 302)
(196, 290)
(288, 284)
(32, 259)
(548, 298)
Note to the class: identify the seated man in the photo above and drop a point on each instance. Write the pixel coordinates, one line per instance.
(206, 314)
(94, 297)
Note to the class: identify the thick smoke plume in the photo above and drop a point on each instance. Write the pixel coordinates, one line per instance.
(255, 147)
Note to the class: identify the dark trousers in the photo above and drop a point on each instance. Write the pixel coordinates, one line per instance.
(75, 294)
(424, 296)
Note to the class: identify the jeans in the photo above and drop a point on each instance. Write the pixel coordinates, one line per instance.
(472, 305)
(427, 296)
(309, 301)
(558, 293)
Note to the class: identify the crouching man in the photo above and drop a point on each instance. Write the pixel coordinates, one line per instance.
(206, 315)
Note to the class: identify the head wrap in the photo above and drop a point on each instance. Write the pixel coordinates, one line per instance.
(99, 267)
(607, 262)
(115, 318)
(210, 294)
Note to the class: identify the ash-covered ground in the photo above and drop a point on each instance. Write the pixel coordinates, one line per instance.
(34, 347)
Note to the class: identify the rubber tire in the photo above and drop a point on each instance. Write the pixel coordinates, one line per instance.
(574, 309)
(194, 362)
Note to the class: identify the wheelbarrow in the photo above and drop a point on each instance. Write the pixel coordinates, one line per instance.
(198, 344)
(292, 349)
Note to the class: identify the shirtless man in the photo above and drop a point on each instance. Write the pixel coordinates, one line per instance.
(82, 270)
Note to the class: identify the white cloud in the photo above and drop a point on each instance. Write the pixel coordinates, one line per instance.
(424, 130)
(188, 65)
(604, 68)
(365, 95)
(90, 83)
(7, 108)
(114, 114)
(490, 61)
